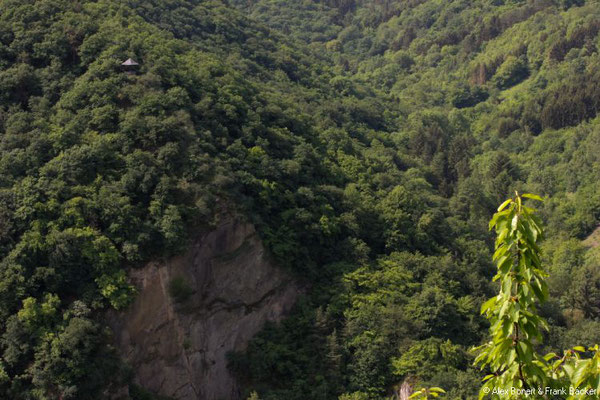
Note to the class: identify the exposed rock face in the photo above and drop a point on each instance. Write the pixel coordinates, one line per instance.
(178, 349)
(404, 391)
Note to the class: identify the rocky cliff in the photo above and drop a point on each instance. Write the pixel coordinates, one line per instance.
(193, 309)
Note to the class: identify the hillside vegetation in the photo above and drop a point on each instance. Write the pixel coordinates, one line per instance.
(369, 142)
(494, 96)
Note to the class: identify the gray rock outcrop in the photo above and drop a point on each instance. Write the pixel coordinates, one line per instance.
(230, 288)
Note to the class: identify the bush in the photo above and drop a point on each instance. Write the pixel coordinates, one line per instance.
(465, 96)
(512, 71)
(506, 126)
(179, 289)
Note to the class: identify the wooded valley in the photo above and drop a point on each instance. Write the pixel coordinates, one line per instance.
(369, 143)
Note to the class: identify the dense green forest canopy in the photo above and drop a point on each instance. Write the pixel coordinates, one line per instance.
(369, 142)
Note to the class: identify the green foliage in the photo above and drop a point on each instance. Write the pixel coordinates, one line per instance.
(354, 396)
(366, 141)
(253, 396)
(515, 367)
(406, 315)
(179, 289)
(516, 326)
(71, 352)
(512, 71)
(36, 316)
(425, 394)
(116, 289)
(466, 96)
(419, 358)
(101, 171)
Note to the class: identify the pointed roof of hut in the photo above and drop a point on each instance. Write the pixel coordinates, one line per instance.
(129, 62)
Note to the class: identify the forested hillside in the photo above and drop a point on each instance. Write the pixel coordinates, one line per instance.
(368, 142)
(494, 96)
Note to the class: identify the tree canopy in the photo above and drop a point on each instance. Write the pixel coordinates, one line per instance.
(368, 142)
